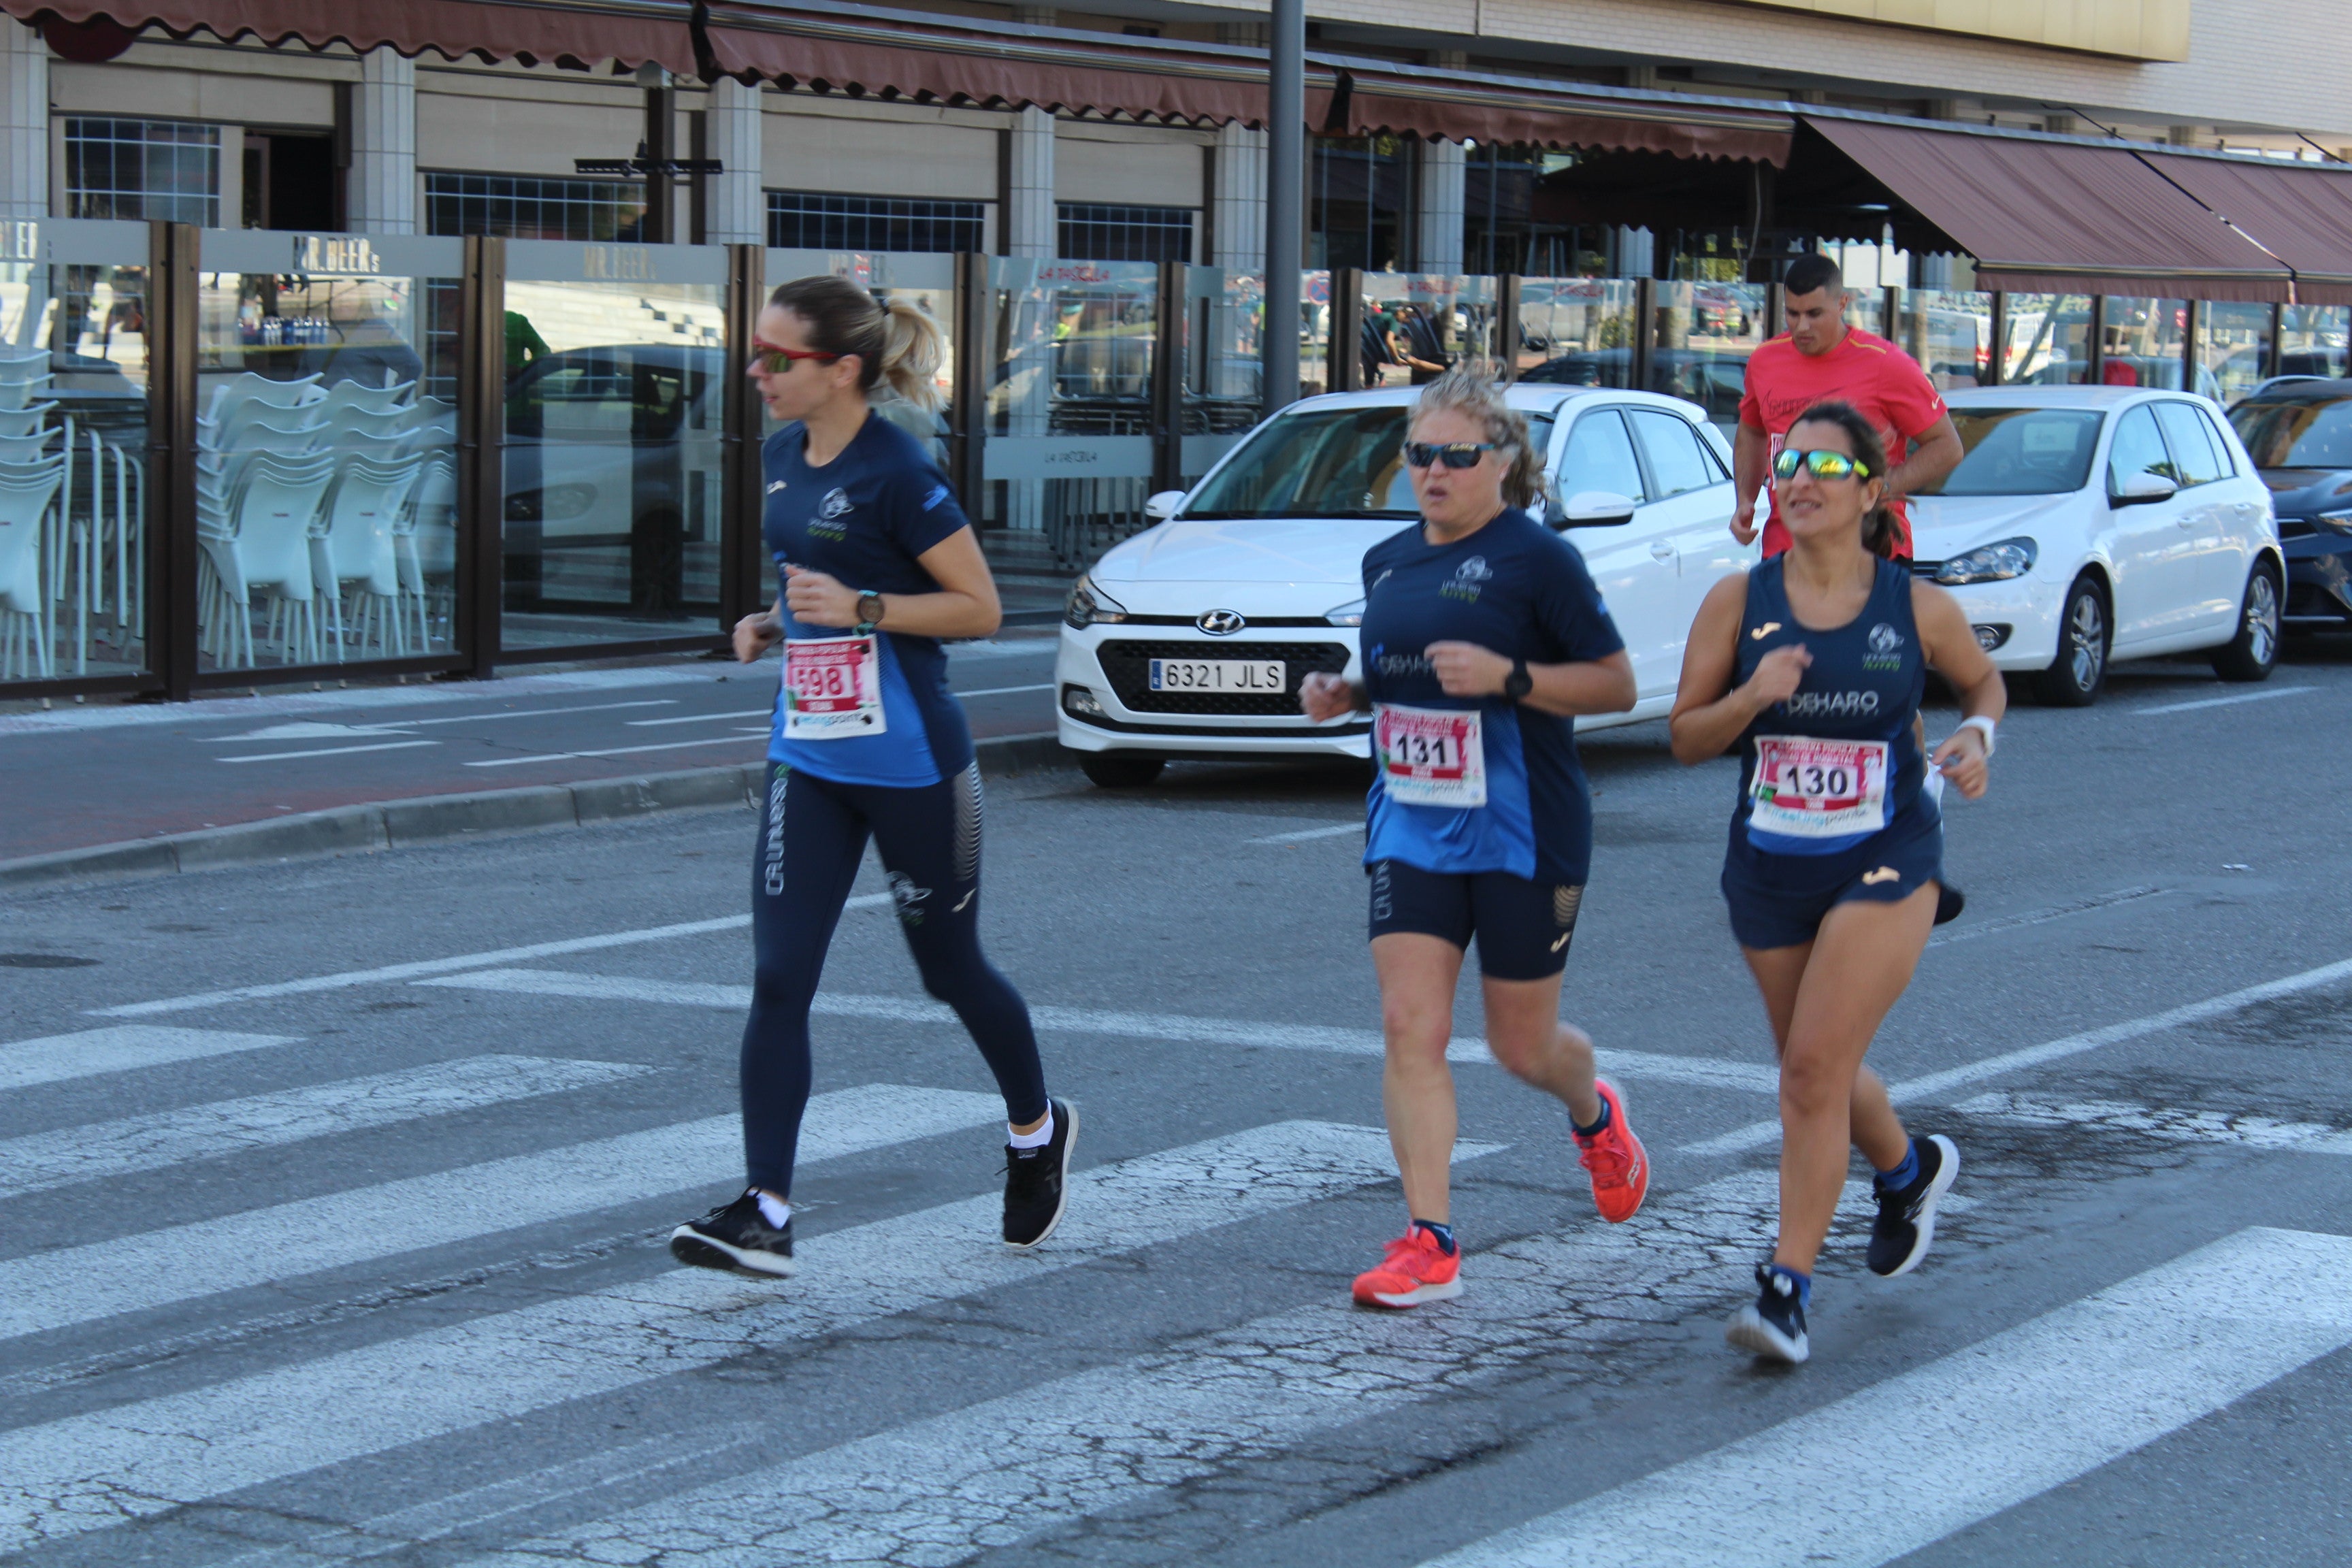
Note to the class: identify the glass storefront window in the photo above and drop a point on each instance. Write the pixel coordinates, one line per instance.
(1225, 318)
(926, 282)
(1705, 333)
(1314, 334)
(1069, 453)
(2047, 339)
(1576, 332)
(2144, 342)
(1866, 309)
(326, 447)
(73, 444)
(1949, 332)
(615, 367)
(1417, 324)
(2233, 347)
(2312, 339)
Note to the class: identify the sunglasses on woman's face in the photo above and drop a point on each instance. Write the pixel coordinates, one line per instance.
(774, 361)
(1821, 465)
(1454, 454)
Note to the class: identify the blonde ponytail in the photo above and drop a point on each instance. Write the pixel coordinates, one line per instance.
(893, 340)
(912, 354)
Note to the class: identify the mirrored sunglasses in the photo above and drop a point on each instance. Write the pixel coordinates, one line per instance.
(1454, 455)
(1821, 465)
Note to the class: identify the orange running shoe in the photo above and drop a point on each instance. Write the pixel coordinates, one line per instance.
(1416, 1270)
(1621, 1170)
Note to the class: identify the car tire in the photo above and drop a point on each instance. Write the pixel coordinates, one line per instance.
(1120, 769)
(2075, 675)
(2253, 653)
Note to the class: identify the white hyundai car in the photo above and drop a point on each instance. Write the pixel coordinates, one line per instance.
(1190, 639)
(2087, 523)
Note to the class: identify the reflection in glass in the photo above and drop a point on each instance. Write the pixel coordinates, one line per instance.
(2312, 339)
(1334, 462)
(2145, 343)
(2022, 451)
(1705, 333)
(1949, 332)
(326, 469)
(2047, 339)
(73, 431)
(1416, 325)
(2233, 347)
(1225, 315)
(614, 398)
(1577, 331)
(1314, 333)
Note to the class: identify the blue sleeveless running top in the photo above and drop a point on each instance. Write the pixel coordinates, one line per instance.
(1863, 685)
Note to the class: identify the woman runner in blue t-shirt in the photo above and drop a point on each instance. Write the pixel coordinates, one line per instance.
(1813, 665)
(877, 564)
(1482, 634)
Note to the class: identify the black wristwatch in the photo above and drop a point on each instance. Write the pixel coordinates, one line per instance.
(869, 612)
(1518, 683)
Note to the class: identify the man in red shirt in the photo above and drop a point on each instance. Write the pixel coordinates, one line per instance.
(1819, 359)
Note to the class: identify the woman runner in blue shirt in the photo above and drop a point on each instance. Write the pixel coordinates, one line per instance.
(1811, 665)
(878, 564)
(1482, 634)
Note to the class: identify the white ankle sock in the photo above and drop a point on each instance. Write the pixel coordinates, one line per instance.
(773, 1209)
(1037, 1140)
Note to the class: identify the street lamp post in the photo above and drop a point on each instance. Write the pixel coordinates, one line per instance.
(1286, 135)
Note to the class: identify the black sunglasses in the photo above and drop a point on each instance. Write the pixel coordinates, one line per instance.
(1454, 454)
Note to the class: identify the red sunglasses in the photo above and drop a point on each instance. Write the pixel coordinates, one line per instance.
(769, 354)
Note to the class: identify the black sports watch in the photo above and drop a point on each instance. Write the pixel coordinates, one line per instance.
(1518, 683)
(869, 612)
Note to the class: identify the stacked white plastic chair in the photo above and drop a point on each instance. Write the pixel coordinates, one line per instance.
(424, 544)
(263, 469)
(353, 557)
(35, 490)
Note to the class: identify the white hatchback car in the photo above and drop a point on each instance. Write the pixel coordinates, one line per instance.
(2090, 522)
(1190, 639)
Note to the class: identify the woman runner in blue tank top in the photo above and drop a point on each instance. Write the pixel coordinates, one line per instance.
(1812, 666)
(876, 564)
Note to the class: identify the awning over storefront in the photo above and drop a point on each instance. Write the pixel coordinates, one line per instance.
(1374, 96)
(583, 32)
(2300, 213)
(2055, 215)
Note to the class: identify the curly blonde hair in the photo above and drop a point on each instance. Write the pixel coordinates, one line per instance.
(1471, 388)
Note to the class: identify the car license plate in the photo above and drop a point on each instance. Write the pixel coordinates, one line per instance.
(1259, 676)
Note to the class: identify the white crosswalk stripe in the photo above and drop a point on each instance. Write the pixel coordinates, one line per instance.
(1654, 1066)
(121, 1048)
(2185, 1124)
(1995, 1424)
(104, 1467)
(154, 1268)
(42, 1159)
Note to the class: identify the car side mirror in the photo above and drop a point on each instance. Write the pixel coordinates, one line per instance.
(2141, 488)
(1594, 508)
(1162, 506)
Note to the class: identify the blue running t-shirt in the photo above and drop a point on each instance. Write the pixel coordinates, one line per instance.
(865, 517)
(1514, 587)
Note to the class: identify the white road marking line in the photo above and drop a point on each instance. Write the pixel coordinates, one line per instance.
(331, 752)
(1303, 835)
(537, 712)
(1997, 1424)
(941, 1488)
(154, 1268)
(306, 730)
(1935, 1084)
(701, 718)
(2181, 1123)
(120, 1048)
(393, 972)
(1698, 1070)
(42, 1159)
(235, 710)
(104, 1467)
(1003, 690)
(2262, 695)
(1975, 929)
(604, 751)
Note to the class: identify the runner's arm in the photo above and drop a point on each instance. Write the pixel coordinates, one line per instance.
(1946, 637)
(1748, 446)
(1939, 453)
(965, 605)
(1323, 696)
(755, 634)
(1709, 714)
(1603, 685)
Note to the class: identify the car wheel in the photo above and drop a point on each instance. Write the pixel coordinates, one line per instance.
(2075, 677)
(2253, 653)
(1120, 769)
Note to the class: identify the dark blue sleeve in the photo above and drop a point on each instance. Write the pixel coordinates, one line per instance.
(921, 509)
(1568, 610)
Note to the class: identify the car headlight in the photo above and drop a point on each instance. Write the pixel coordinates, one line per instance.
(1088, 605)
(2341, 522)
(1989, 563)
(1350, 614)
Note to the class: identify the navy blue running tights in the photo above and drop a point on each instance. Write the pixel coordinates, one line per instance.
(813, 834)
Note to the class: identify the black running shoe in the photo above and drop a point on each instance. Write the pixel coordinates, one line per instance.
(1949, 902)
(1775, 1326)
(1907, 1219)
(735, 1237)
(1035, 1183)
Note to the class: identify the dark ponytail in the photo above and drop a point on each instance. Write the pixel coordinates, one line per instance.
(1878, 528)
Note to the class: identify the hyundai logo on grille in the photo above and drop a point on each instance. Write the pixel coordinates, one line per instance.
(1221, 623)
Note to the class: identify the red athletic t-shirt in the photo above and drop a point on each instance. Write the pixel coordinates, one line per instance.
(1880, 380)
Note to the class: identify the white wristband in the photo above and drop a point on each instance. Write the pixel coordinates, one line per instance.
(1982, 726)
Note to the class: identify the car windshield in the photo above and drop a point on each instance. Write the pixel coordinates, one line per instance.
(1329, 462)
(2022, 451)
(2288, 433)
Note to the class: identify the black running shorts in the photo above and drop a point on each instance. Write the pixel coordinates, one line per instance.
(1523, 927)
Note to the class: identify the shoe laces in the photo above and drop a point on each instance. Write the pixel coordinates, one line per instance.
(1026, 1179)
(1609, 1159)
(1412, 1245)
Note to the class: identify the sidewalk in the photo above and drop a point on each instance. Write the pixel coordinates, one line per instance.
(81, 775)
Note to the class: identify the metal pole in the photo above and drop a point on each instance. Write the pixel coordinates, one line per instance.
(1286, 168)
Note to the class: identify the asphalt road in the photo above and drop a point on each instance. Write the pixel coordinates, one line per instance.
(107, 773)
(330, 1199)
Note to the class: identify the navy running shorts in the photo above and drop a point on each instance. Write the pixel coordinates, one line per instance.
(1781, 900)
(1523, 927)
